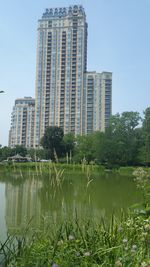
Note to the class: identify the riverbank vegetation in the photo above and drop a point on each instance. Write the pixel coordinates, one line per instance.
(121, 241)
(126, 142)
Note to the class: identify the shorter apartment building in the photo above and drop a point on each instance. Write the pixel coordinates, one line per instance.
(22, 123)
(97, 101)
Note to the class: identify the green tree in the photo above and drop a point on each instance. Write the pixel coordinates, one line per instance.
(36, 154)
(105, 150)
(69, 143)
(5, 152)
(144, 153)
(84, 148)
(119, 145)
(52, 141)
(19, 149)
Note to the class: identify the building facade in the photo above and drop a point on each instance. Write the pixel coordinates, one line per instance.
(61, 64)
(66, 95)
(22, 123)
(97, 104)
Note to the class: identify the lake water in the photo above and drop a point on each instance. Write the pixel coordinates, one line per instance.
(28, 200)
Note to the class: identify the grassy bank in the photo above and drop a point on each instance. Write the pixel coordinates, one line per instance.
(45, 167)
(124, 243)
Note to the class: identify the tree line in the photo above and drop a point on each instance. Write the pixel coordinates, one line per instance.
(126, 142)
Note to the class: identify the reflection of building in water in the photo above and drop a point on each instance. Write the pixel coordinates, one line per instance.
(35, 204)
(23, 205)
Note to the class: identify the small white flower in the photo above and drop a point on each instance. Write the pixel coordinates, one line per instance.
(133, 250)
(87, 254)
(71, 237)
(144, 234)
(60, 242)
(134, 247)
(118, 263)
(147, 227)
(120, 229)
(125, 240)
(144, 264)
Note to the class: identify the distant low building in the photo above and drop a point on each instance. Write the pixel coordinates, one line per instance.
(22, 123)
(18, 158)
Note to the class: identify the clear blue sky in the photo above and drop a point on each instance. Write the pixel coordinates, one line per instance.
(118, 41)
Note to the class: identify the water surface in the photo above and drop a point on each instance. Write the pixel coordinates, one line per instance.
(30, 200)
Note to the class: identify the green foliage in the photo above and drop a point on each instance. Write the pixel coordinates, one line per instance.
(5, 152)
(142, 179)
(21, 150)
(52, 141)
(38, 154)
(84, 148)
(118, 146)
(122, 243)
(145, 149)
(122, 139)
(68, 143)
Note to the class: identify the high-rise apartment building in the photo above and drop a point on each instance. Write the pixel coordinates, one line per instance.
(97, 104)
(66, 95)
(61, 63)
(22, 122)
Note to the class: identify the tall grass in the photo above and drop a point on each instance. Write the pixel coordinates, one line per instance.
(71, 244)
